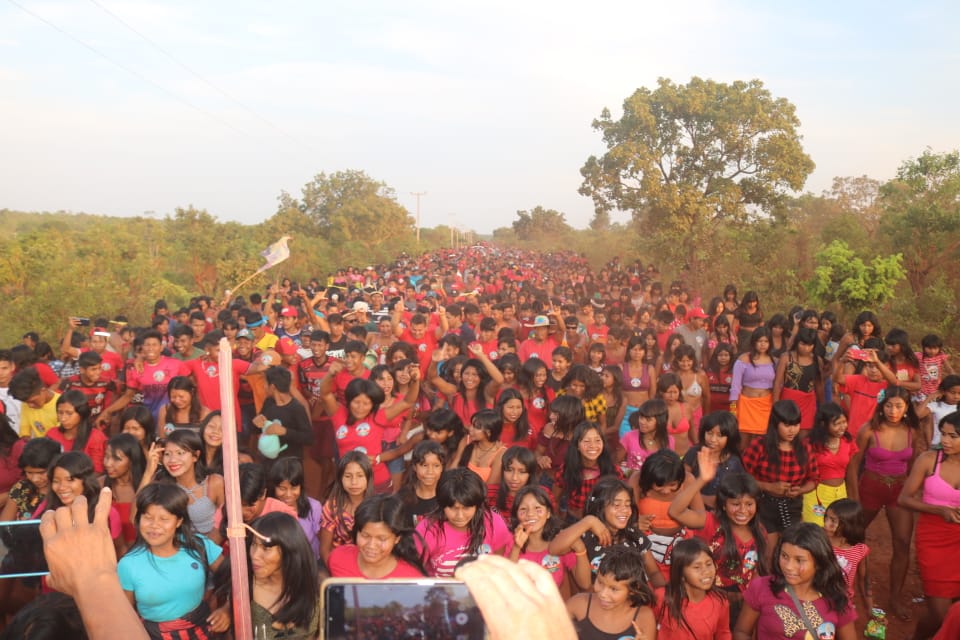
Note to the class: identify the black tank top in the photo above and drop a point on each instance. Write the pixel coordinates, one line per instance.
(587, 631)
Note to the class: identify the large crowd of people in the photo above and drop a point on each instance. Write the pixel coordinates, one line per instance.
(682, 466)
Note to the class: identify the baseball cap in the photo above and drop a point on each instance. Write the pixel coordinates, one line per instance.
(288, 312)
(244, 333)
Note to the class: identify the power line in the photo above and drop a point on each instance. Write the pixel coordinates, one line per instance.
(194, 73)
(127, 69)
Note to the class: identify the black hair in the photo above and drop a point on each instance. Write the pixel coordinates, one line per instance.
(388, 510)
(89, 359)
(188, 440)
(38, 453)
(732, 487)
(931, 341)
(488, 421)
(900, 337)
(851, 526)
(280, 378)
(216, 464)
(828, 577)
(573, 464)
(787, 412)
(522, 425)
(729, 427)
(569, 412)
(369, 388)
(528, 459)
(654, 408)
(463, 486)
(590, 379)
(80, 467)
(126, 444)
(552, 526)
(675, 595)
(949, 382)
(661, 468)
(603, 494)
(827, 414)
(50, 616)
(289, 469)
(445, 419)
(185, 383)
(25, 383)
(625, 564)
(78, 400)
(339, 498)
(299, 596)
(142, 416)
(408, 483)
(253, 483)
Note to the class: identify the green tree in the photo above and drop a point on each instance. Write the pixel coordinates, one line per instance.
(540, 223)
(922, 215)
(687, 159)
(844, 278)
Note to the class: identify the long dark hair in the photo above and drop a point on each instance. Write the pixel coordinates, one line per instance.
(290, 470)
(78, 401)
(827, 414)
(339, 498)
(573, 464)
(675, 593)
(388, 510)
(604, 493)
(408, 483)
(184, 383)
(528, 459)
(127, 444)
(187, 440)
(733, 486)
(828, 578)
(552, 526)
(787, 412)
(298, 597)
(488, 421)
(464, 486)
(216, 465)
(910, 418)
(758, 333)
(522, 428)
(80, 467)
(654, 408)
(369, 388)
(445, 419)
(727, 423)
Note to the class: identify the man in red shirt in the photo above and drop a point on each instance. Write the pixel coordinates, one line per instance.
(538, 345)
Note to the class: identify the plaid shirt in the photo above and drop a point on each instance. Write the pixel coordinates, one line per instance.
(757, 464)
(577, 496)
(592, 409)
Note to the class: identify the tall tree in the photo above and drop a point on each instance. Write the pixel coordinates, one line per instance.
(539, 223)
(922, 215)
(844, 278)
(685, 159)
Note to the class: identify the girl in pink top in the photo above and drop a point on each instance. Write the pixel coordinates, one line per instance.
(463, 526)
(648, 434)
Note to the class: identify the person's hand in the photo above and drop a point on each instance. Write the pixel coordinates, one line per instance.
(517, 600)
(276, 429)
(706, 463)
(259, 421)
(520, 536)
(600, 530)
(335, 367)
(544, 462)
(73, 322)
(398, 307)
(441, 310)
(951, 514)
(476, 349)
(414, 371)
(78, 552)
(219, 619)
(640, 635)
(792, 492)
(153, 454)
(437, 356)
(645, 521)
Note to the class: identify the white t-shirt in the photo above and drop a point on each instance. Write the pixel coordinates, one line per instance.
(13, 409)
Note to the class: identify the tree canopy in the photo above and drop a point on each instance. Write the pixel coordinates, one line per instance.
(686, 159)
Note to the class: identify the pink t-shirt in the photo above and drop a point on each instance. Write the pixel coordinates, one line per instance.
(635, 453)
(343, 564)
(779, 618)
(444, 551)
(269, 506)
(555, 565)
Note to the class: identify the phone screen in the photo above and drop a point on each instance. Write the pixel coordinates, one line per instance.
(415, 609)
(22, 550)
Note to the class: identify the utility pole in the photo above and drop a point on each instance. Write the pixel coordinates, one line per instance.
(417, 194)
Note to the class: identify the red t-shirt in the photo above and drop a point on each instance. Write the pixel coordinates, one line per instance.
(365, 436)
(343, 564)
(207, 375)
(96, 445)
(111, 366)
(863, 400)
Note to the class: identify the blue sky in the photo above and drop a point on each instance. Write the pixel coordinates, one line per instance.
(485, 106)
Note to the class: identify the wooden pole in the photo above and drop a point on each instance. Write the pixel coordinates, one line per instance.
(236, 534)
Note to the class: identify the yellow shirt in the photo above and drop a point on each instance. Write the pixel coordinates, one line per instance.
(34, 423)
(268, 341)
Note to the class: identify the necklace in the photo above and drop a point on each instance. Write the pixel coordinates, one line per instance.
(190, 490)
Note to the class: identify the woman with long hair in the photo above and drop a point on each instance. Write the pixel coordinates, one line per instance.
(282, 570)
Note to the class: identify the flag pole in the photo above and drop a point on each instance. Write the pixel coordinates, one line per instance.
(236, 534)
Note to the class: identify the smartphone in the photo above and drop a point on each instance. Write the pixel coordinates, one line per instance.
(22, 550)
(858, 354)
(83, 322)
(411, 608)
